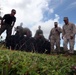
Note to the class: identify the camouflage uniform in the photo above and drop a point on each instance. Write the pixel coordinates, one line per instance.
(55, 38)
(68, 35)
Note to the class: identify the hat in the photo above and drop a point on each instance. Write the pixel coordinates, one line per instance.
(55, 22)
(65, 18)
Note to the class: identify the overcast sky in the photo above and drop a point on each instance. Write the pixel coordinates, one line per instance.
(40, 12)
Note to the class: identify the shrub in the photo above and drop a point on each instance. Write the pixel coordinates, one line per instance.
(26, 63)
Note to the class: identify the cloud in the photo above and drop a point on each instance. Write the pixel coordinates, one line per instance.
(28, 11)
(72, 5)
(31, 13)
(46, 26)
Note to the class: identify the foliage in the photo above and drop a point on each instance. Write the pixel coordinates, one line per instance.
(27, 63)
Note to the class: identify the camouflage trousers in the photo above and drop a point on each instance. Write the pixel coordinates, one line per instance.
(71, 43)
(55, 42)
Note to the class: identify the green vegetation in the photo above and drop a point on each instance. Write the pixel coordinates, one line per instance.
(26, 63)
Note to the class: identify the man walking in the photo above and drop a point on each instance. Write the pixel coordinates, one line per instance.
(7, 24)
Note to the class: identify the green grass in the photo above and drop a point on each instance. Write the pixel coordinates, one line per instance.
(27, 63)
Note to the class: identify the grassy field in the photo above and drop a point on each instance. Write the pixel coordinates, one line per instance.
(27, 63)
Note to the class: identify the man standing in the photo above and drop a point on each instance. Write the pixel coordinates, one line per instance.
(39, 33)
(7, 24)
(55, 37)
(68, 35)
